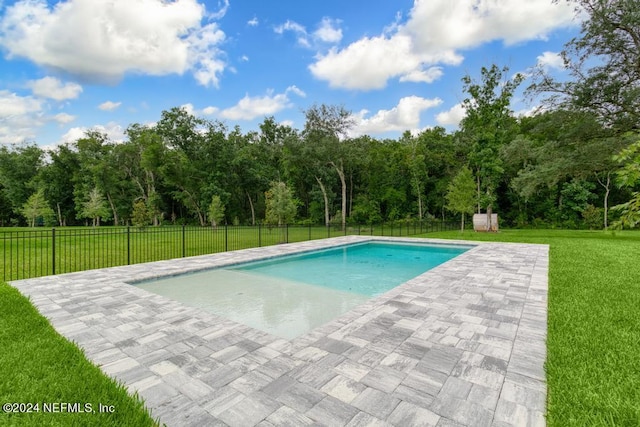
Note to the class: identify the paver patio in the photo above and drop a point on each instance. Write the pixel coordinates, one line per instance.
(460, 345)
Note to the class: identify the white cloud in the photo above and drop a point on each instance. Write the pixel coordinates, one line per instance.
(64, 118)
(219, 14)
(299, 30)
(109, 106)
(210, 111)
(205, 59)
(50, 87)
(434, 34)
(248, 108)
(404, 116)
(551, 60)
(152, 37)
(295, 89)
(253, 22)
(367, 63)
(72, 135)
(189, 109)
(290, 26)
(15, 105)
(429, 75)
(328, 31)
(20, 117)
(244, 58)
(114, 132)
(453, 116)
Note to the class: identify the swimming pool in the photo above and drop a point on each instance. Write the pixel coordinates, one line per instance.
(288, 296)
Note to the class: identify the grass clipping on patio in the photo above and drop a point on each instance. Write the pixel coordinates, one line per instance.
(593, 341)
(39, 366)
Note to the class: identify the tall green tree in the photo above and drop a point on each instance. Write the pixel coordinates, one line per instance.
(324, 126)
(140, 215)
(488, 124)
(604, 65)
(461, 195)
(558, 147)
(94, 207)
(443, 157)
(57, 177)
(215, 212)
(19, 166)
(37, 207)
(281, 204)
(100, 167)
(629, 176)
(415, 161)
(185, 168)
(142, 159)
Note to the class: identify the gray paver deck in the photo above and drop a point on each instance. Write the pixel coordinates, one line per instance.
(462, 344)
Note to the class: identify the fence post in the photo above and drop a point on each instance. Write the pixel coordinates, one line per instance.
(286, 233)
(259, 235)
(183, 241)
(53, 250)
(128, 245)
(226, 237)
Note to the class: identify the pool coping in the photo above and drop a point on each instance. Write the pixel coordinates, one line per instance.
(462, 344)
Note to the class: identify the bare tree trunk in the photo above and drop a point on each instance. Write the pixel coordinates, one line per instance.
(415, 182)
(59, 215)
(478, 187)
(253, 212)
(340, 171)
(201, 218)
(113, 209)
(151, 190)
(326, 201)
(203, 222)
(607, 188)
(351, 193)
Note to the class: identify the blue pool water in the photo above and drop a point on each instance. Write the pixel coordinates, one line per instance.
(290, 295)
(368, 268)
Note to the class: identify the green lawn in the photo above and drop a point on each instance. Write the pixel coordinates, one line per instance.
(37, 365)
(593, 344)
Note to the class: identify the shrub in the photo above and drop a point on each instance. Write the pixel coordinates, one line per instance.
(593, 217)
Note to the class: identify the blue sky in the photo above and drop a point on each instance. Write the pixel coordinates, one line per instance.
(73, 65)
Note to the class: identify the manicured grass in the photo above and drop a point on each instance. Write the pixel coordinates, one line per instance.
(37, 365)
(593, 343)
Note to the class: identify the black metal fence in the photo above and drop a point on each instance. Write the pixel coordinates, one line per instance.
(33, 253)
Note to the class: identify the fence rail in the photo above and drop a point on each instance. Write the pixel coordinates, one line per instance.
(32, 253)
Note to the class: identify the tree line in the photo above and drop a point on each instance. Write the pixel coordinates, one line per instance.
(565, 166)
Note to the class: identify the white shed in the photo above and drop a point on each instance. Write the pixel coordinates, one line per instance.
(480, 222)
